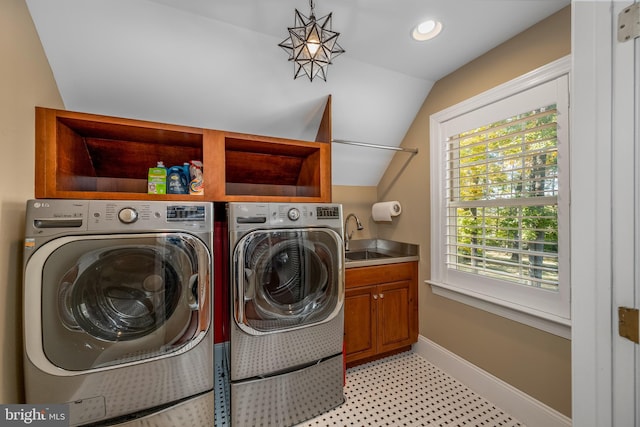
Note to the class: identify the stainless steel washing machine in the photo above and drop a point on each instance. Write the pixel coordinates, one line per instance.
(117, 306)
(287, 318)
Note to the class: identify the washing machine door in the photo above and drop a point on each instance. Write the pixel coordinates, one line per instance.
(116, 299)
(286, 279)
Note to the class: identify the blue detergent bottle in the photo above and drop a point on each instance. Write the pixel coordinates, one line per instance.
(187, 173)
(177, 182)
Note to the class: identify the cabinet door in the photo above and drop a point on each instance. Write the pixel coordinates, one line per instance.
(395, 315)
(360, 322)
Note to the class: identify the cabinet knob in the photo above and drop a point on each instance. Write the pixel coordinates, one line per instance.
(381, 296)
(375, 296)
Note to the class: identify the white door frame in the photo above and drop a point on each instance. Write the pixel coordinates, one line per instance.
(625, 190)
(598, 284)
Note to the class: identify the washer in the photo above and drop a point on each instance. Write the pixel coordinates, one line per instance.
(287, 314)
(117, 306)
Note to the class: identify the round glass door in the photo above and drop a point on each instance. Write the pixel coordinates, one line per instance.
(118, 299)
(288, 278)
(120, 294)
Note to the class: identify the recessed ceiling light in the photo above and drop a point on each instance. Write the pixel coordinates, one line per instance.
(426, 30)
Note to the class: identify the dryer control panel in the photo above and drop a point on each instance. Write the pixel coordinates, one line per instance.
(251, 216)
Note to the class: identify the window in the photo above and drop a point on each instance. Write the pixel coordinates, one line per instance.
(502, 186)
(499, 176)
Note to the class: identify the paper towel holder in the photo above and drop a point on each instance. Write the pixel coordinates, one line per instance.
(385, 211)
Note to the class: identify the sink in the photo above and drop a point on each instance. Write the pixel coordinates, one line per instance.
(368, 252)
(364, 255)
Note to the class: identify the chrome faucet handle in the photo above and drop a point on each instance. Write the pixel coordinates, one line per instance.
(347, 235)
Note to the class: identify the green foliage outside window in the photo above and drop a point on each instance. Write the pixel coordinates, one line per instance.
(503, 186)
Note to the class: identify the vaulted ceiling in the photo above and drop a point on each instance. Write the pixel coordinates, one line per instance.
(217, 64)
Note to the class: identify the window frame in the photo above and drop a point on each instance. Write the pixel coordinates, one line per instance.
(546, 310)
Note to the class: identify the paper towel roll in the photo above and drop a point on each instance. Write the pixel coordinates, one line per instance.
(383, 211)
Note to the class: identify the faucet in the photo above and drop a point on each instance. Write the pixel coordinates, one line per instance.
(347, 235)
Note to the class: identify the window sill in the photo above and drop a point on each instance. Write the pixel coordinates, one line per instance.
(536, 319)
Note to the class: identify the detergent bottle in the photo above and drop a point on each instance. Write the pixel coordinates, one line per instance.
(196, 186)
(177, 182)
(157, 179)
(187, 172)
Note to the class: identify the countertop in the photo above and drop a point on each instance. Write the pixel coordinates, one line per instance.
(391, 252)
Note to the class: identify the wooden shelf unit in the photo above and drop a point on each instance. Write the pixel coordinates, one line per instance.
(88, 156)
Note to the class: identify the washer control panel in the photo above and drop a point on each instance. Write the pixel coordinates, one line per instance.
(49, 217)
(139, 215)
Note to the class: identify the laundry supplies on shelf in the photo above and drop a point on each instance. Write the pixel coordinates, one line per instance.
(157, 179)
(177, 181)
(196, 185)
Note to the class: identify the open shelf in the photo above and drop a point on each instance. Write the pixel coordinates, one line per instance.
(89, 156)
(264, 167)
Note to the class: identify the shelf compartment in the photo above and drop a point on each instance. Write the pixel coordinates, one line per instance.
(95, 156)
(264, 167)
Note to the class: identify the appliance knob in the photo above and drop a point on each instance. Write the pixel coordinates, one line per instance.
(293, 214)
(128, 215)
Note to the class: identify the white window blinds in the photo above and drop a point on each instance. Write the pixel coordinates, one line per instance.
(500, 196)
(502, 188)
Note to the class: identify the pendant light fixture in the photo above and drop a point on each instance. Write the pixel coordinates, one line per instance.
(311, 45)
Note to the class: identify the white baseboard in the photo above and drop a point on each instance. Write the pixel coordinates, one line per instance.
(523, 407)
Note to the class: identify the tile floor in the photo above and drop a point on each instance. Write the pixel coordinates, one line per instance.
(401, 390)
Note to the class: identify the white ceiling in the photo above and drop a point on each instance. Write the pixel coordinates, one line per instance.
(217, 64)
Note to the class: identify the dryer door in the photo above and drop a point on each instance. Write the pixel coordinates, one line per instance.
(286, 279)
(115, 299)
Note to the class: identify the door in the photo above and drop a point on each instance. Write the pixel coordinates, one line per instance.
(360, 322)
(626, 216)
(115, 299)
(287, 279)
(395, 315)
(604, 215)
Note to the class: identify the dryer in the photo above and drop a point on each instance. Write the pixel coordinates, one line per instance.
(287, 311)
(117, 306)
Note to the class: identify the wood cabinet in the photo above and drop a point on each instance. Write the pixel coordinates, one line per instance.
(381, 310)
(89, 156)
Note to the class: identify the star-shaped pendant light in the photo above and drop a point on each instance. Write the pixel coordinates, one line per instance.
(311, 45)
